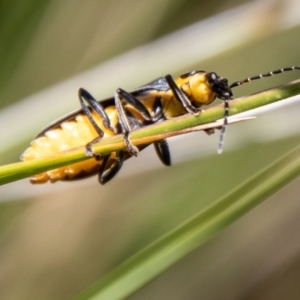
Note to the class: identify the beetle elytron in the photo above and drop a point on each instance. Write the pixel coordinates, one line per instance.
(161, 99)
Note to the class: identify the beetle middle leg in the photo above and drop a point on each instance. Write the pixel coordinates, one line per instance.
(107, 172)
(162, 151)
(124, 121)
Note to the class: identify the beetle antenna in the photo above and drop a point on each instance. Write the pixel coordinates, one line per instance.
(223, 129)
(260, 76)
(241, 82)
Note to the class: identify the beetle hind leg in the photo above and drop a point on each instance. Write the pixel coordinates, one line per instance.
(86, 98)
(90, 152)
(84, 95)
(133, 150)
(108, 172)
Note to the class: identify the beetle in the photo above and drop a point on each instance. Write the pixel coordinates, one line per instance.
(159, 100)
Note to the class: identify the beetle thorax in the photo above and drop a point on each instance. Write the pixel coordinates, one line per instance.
(198, 90)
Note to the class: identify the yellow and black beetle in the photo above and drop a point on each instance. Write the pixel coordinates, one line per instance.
(161, 99)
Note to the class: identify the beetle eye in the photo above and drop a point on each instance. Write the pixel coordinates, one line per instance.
(213, 76)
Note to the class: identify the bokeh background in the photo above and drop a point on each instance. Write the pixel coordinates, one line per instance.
(56, 239)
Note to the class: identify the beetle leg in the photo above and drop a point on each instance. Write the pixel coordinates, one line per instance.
(123, 119)
(89, 151)
(139, 106)
(181, 97)
(162, 151)
(106, 174)
(161, 147)
(209, 131)
(86, 96)
(157, 110)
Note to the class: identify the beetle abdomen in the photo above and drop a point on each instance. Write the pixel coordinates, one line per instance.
(69, 135)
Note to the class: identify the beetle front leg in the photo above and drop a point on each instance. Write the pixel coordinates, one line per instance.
(181, 97)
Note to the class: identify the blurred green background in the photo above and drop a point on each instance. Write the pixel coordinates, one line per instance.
(57, 239)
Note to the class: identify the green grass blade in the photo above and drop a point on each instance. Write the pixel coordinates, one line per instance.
(143, 267)
(148, 134)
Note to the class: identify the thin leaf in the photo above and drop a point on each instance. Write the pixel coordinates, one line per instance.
(146, 265)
